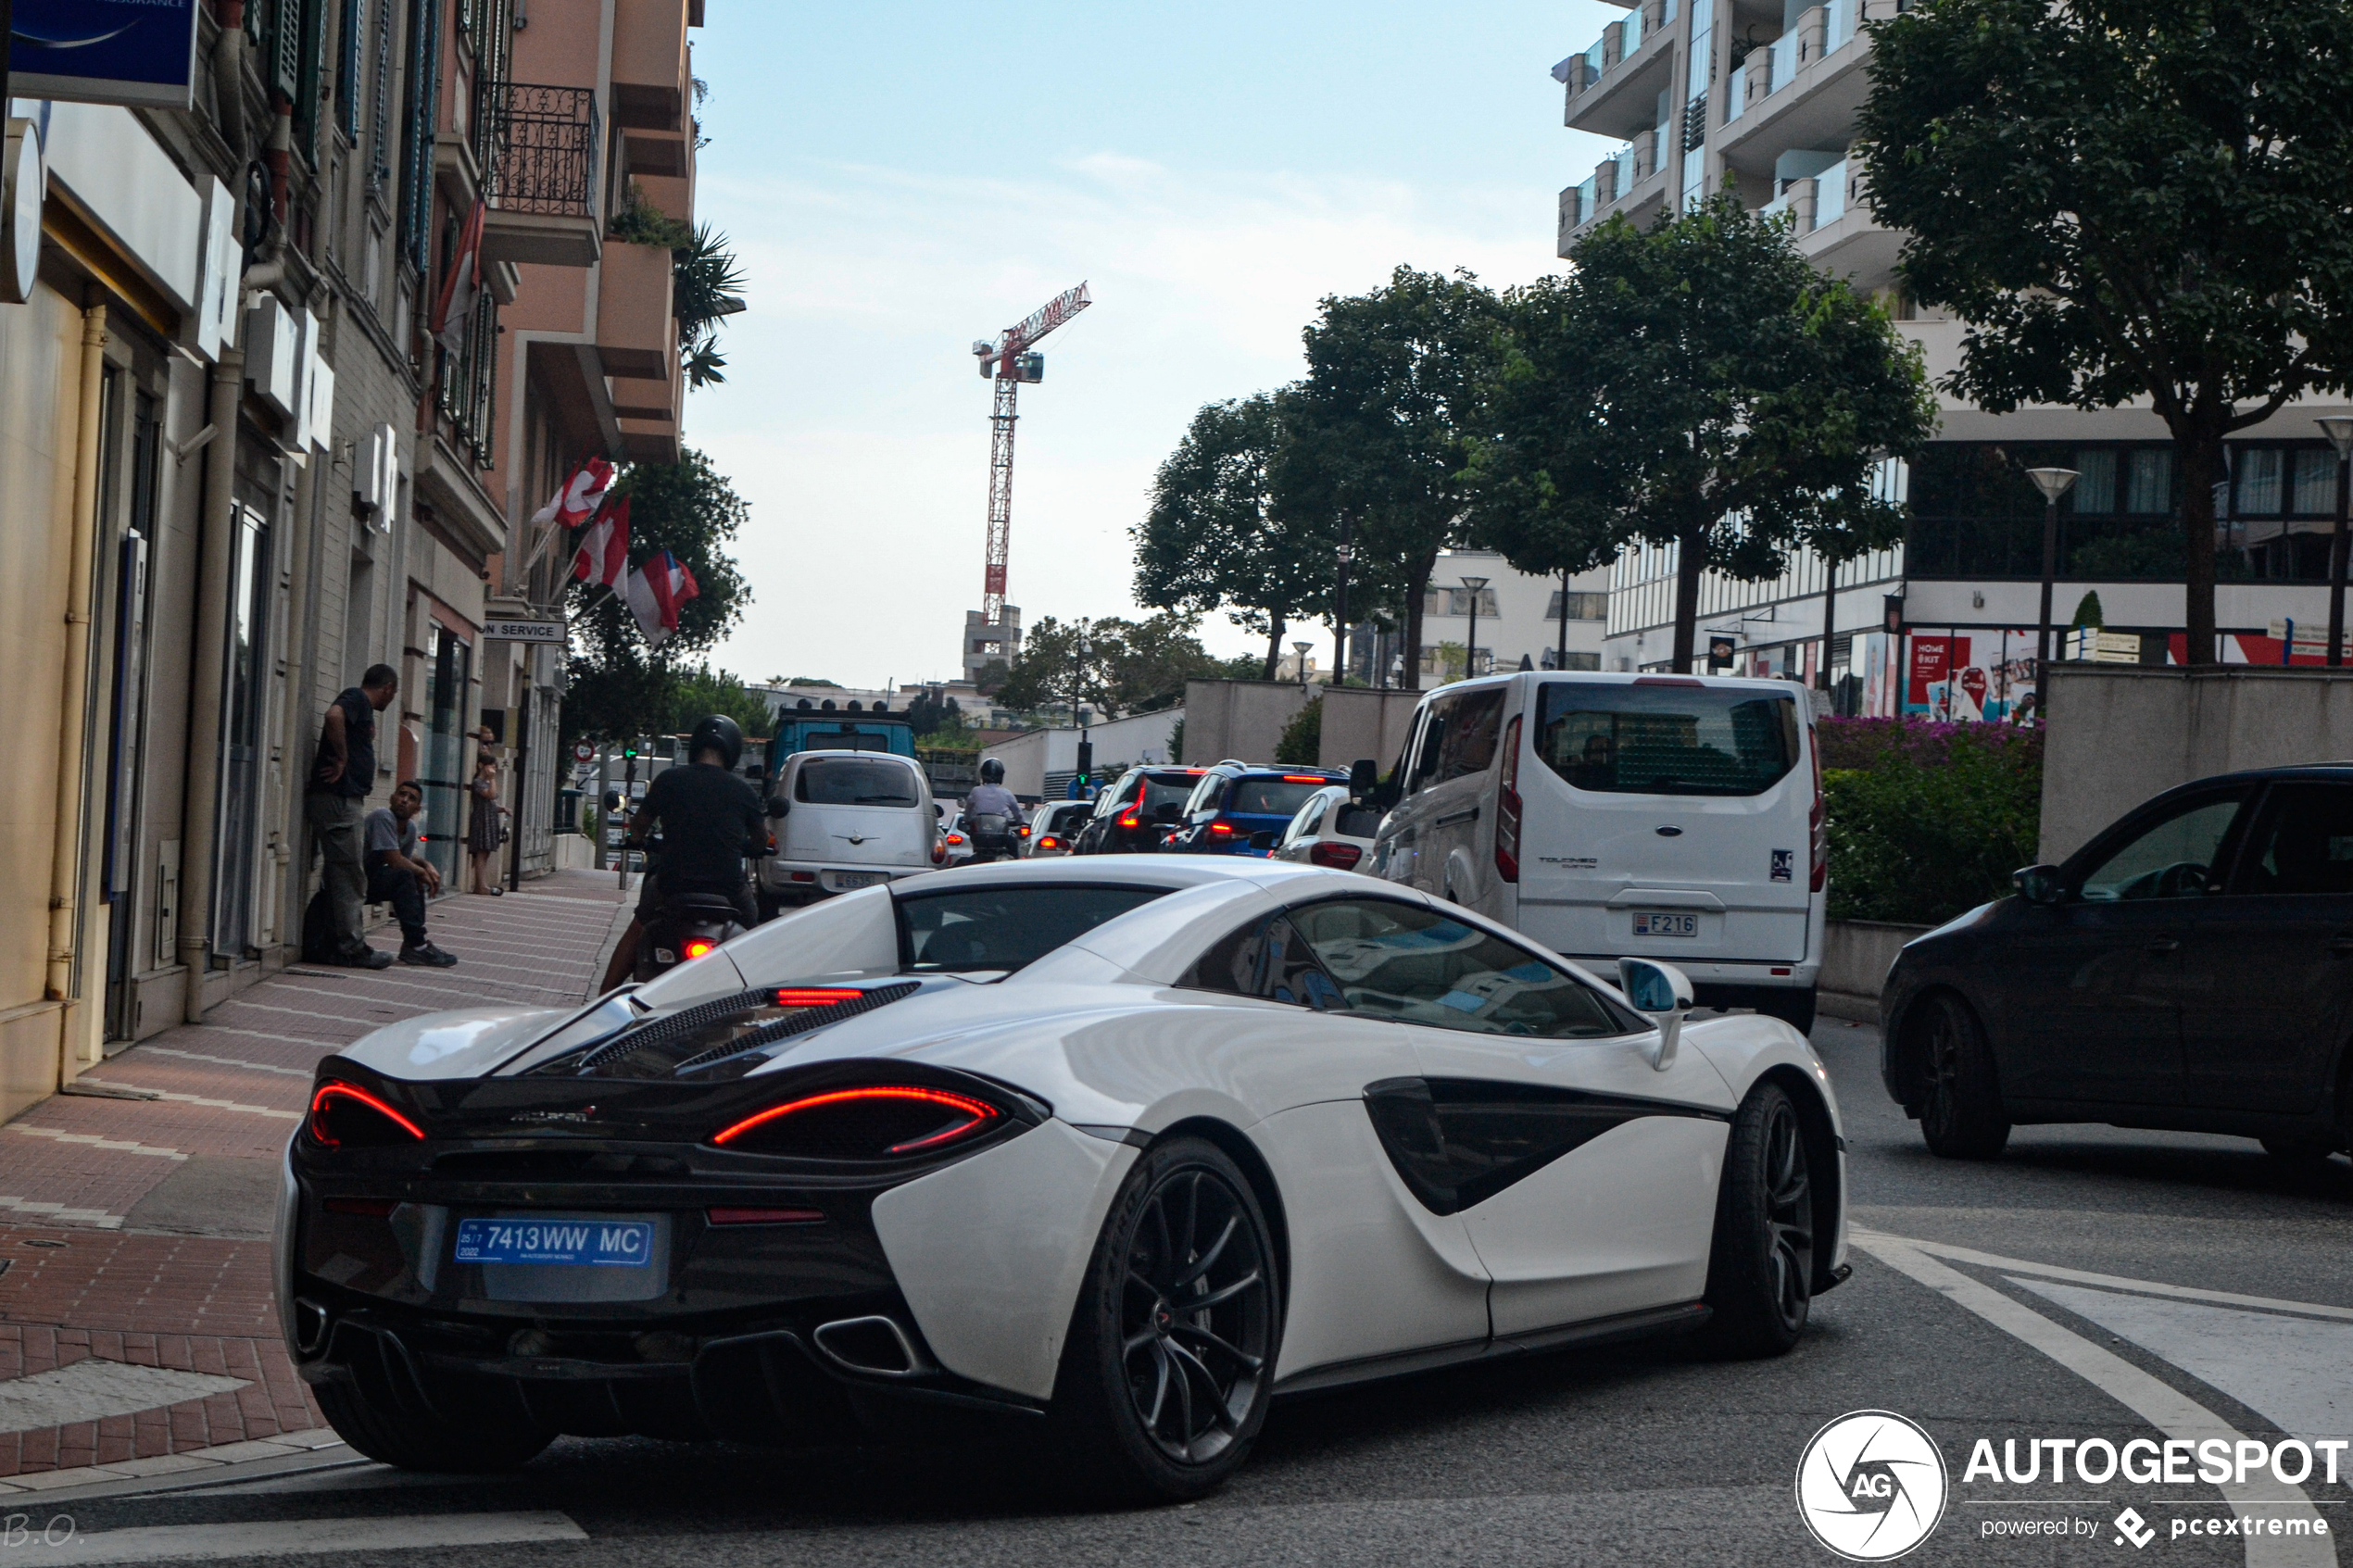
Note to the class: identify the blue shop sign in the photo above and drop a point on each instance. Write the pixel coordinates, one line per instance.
(139, 52)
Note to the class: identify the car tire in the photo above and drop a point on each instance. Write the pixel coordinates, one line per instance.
(1961, 1112)
(2301, 1151)
(1159, 1398)
(1760, 1266)
(1795, 1008)
(484, 1443)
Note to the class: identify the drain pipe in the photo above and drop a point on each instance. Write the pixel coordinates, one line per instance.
(65, 854)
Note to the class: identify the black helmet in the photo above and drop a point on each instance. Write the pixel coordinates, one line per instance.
(992, 770)
(719, 733)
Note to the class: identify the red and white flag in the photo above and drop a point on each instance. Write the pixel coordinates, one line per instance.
(577, 499)
(455, 310)
(603, 556)
(658, 591)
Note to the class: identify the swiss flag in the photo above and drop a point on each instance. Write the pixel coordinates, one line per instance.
(454, 309)
(577, 500)
(603, 556)
(658, 591)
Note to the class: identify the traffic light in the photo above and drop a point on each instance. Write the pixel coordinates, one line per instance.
(629, 750)
(1086, 761)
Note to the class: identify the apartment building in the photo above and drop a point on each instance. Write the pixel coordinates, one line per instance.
(1763, 95)
(1544, 622)
(245, 461)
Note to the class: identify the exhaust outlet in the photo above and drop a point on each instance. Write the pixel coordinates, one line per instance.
(876, 1347)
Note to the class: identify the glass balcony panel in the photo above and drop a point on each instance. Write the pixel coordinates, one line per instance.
(1830, 202)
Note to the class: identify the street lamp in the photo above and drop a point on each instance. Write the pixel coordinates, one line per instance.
(1470, 640)
(1343, 555)
(2338, 428)
(2053, 484)
(1299, 651)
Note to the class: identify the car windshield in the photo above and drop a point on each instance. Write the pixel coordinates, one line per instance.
(1666, 739)
(1272, 796)
(845, 782)
(1003, 928)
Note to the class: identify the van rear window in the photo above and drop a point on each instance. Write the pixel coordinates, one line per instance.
(1619, 739)
(827, 781)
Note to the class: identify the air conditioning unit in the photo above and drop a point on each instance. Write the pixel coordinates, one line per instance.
(273, 348)
(375, 476)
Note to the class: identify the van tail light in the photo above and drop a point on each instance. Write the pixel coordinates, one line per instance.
(1507, 806)
(939, 851)
(1817, 823)
(1340, 856)
(1049, 842)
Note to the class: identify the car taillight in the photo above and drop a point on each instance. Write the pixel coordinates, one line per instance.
(1818, 823)
(1129, 820)
(882, 1121)
(1507, 806)
(1305, 778)
(1222, 830)
(1340, 856)
(811, 996)
(1049, 842)
(939, 852)
(346, 1116)
(696, 947)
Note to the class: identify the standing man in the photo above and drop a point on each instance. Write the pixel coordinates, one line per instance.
(340, 780)
(399, 877)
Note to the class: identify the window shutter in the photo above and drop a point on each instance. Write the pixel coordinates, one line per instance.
(348, 59)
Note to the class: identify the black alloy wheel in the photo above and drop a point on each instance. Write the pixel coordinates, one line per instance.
(1172, 1350)
(1961, 1115)
(1760, 1273)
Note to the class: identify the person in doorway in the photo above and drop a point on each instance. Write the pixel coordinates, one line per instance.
(482, 827)
(341, 778)
(399, 877)
(709, 817)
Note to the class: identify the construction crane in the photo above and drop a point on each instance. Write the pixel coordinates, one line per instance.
(1012, 359)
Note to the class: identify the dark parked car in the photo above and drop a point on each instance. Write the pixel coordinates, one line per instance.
(1238, 810)
(1135, 814)
(2191, 967)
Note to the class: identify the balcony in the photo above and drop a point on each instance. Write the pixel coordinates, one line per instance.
(649, 64)
(1831, 220)
(1804, 87)
(1612, 85)
(540, 175)
(1624, 182)
(468, 382)
(637, 335)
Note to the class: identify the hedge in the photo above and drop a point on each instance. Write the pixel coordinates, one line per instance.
(1926, 820)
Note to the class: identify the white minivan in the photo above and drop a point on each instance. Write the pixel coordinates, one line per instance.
(849, 820)
(1609, 816)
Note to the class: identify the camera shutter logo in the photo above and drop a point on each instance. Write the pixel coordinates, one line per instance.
(1871, 1485)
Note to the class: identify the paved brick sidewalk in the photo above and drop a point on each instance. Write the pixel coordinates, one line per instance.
(137, 1231)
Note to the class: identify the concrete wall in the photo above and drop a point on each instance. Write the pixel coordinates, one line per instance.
(1365, 723)
(1030, 757)
(1242, 719)
(1857, 955)
(2118, 734)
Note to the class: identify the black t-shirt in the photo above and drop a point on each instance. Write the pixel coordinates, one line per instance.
(708, 816)
(358, 746)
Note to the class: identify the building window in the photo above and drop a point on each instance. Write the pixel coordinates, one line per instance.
(1581, 606)
(1456, 601)
(2148, 486)
(1552, 657)
(2258, 480)
(2095, 490)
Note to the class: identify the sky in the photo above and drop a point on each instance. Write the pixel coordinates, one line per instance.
(901, 180)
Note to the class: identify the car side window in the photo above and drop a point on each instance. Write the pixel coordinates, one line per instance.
(2172, 858)
(1428, 742)
(1304, 822)
(1417, 964)
(2302, 843)
(1266, 958)
(1357, 822)
(1469, 744)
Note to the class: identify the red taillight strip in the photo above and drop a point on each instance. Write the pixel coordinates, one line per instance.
(980, 1111)
(335, 1087)
(805, 996)
(766, 1216)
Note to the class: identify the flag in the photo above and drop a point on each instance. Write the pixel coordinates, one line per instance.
(455, 310)
(658, 591)
(576, 500)
(603, 556)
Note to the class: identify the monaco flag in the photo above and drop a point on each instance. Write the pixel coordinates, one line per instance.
(658, 591)
(455, 310)
(579, 496)
(603, 556)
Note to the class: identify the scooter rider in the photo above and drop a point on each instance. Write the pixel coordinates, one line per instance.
(992, 798)
(710, 816)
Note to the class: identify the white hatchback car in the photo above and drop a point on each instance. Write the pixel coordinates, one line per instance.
(850, 819)
(1332, 829)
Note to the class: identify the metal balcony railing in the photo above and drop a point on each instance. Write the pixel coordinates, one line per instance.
(469, 380)
(541, 150)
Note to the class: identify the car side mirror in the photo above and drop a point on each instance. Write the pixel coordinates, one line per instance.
(1263, 840)
(2039, 884)
(778, 807)
(1363, 777)
(1662, 993)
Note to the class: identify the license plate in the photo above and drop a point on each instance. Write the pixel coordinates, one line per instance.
(1660, 923)
(625, 1244)
(858, 879)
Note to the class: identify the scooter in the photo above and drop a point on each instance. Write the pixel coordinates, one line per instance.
(995, 838)
(685, 926)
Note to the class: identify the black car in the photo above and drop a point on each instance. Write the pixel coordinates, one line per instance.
(1135, 814)
(2191, 969)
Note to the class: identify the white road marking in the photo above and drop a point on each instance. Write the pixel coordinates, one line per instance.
(95, 1141)
(2108, 1282)
(273, 1538)
(220, 1104)
(2157, 1402)
(232, 1061)
(97, 1217)
(2289, 1370)
(94, 1389)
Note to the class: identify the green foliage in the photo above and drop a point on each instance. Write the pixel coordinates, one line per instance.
(2088, 612)
(2126, 199)
(617, 701)
(929, 717)
(689, 508)
(804, 680)
(1177, 741)
(1128, 666)
(1927, 821)
(706, 285)
(702, 691)
(642, 223)
(1683, 377)
(1302, 739)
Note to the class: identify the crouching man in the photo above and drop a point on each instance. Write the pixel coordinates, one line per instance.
(398, 877)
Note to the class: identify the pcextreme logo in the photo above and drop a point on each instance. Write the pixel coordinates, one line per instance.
(1871, 1485)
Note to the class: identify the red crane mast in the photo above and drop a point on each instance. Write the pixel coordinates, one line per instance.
(1010, 361)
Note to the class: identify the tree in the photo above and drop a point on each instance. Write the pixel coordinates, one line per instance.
(1052, 672)
(1375, 433)
(1300, 744)
(1151, 659)
(929, 715)
(2123, 199)
(1697, 384)
(1216, 537)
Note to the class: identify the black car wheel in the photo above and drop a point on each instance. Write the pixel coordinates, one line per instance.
(1167, 1378)
(1961, 1115)
(1760, 1268)
(378, 1425)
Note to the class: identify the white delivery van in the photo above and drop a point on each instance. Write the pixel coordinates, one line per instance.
(850, 819)
(1610, 816)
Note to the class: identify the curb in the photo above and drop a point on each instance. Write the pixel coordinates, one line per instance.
(193, 1466)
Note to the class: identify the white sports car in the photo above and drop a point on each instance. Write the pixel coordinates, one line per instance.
(1112, 1149)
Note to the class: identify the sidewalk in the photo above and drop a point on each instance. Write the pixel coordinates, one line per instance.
(136, 1328)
